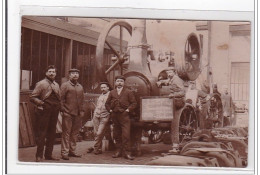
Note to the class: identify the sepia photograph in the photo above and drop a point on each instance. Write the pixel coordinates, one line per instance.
(132, 91)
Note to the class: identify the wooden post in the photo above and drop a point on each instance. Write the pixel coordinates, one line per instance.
(209, 70)
(68, 58)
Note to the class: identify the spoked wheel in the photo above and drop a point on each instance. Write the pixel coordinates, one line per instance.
(188, 124)
(215, 111)
(118, 50)
(192, 53)
(156, 136)
(190, 65)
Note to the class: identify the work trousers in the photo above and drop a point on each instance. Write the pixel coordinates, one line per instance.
(121, 133)
(70, 128)
(100, 126)
(136, 139)
(204, 123)
(226, 121)
(45, 128)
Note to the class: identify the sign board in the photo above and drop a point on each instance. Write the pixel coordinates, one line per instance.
(156, 108)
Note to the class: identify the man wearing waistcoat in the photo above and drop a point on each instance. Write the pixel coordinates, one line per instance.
(120, 102)
(46, 97)
(72, 98)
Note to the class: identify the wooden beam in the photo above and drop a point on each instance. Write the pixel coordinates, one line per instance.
(64, 29)
(68, 57)
(240, 30)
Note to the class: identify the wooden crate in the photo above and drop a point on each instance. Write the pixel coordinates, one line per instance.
(26, 134)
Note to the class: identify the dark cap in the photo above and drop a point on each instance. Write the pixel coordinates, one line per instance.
(120, 77)
(74, 70)
(104, 82)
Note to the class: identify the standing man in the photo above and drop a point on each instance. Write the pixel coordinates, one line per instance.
(120, 102)
(227, 106)
(100, 119)
(46, 97)
(176, 87)
(72, 98)
(178, 93)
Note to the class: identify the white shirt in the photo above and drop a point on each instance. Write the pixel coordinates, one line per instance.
(119, 90)
(101, 110)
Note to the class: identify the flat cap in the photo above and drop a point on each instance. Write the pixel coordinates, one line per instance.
(120, 77)
(74, 70)
(170, 68)
(104, 82)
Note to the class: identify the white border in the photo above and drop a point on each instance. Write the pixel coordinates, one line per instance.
(167, 9)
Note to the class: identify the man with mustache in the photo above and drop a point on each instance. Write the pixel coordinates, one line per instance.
(101, 119)
(46, 97)
(72, 98)
(119, 103)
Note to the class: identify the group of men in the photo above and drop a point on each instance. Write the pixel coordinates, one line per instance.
(179, 90)
(68, 100)
(50, 100)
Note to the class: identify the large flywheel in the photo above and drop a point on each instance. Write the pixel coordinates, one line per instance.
(120, 54)
(190, 65)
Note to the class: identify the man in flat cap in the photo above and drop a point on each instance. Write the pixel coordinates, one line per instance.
(72, 98)
(177, 92)
(46, 97)
(101, 119)
(120, 102)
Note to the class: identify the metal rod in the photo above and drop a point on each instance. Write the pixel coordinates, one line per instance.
(121, 38)
(112, 67)
(209, 77)
(121, 47)
(113, 50)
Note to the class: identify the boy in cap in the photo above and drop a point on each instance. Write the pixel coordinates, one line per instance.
(72, 98)
(120, 102)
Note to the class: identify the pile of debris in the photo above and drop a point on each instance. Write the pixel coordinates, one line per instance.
(218, 147)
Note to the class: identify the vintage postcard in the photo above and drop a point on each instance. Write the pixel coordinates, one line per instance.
(151, 92)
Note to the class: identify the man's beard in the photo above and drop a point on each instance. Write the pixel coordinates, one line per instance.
(50, 78)
(74, 80)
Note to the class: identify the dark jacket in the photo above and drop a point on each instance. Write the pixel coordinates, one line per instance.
(119, 103)
(72, 98)
(43, 90)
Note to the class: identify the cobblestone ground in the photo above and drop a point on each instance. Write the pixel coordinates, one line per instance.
(149, 151)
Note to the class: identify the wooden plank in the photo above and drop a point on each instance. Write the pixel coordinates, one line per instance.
(156, 108)
(241, 27)
(23, 129)
(28, 124)
(20, 140)
(68, 56)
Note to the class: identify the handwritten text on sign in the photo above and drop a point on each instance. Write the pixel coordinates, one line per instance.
(157, 109)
